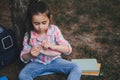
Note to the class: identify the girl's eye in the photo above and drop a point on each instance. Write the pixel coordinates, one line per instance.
(44, 23)
(36, 23)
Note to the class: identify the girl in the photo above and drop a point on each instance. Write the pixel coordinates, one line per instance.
(43, 45)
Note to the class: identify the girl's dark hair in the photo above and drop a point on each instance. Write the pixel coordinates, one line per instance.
(35, 7)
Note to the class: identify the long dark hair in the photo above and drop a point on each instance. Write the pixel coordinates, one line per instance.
(35, 7)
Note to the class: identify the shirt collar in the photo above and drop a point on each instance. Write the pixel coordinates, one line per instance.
(50, 30)
(34, 34)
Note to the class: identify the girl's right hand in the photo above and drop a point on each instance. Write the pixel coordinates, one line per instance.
(35, 51)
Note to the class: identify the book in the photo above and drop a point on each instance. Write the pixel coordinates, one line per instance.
(94, 73)
(87, 65)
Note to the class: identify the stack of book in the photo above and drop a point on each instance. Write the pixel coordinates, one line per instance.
(89, 66)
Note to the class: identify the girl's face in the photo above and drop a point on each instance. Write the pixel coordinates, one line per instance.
(40, 22)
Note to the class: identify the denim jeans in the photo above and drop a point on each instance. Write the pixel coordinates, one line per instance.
(34, 69)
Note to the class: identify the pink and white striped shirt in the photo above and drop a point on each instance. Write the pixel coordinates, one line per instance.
(54, 36)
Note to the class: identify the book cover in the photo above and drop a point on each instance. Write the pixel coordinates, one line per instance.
(93, 73)
(87, 65)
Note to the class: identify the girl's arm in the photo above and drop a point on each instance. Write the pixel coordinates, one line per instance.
(59, 48)
(26, 57)
(34, 52)
(61, 45)
(28, 52)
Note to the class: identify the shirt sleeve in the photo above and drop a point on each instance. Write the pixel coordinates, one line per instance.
(26, 48)
(61, 40)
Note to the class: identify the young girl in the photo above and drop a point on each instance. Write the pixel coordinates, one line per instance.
(43, 45)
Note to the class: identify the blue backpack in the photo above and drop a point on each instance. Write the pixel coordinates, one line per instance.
(8, 46)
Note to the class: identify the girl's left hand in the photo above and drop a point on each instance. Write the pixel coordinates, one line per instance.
(46, 45)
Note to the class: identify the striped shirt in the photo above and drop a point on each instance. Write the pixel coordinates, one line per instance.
(54, 36)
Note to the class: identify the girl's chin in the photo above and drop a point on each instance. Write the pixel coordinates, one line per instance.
(42, 31)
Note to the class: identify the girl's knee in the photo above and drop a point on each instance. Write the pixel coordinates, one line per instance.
(77, 68)
(23, 76)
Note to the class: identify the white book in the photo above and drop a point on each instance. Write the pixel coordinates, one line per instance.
(87, 65)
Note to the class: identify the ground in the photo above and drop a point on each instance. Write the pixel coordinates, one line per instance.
(92, 27)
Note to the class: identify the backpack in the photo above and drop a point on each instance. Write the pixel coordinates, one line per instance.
(8, 46)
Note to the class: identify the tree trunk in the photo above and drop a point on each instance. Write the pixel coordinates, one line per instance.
(18, 11)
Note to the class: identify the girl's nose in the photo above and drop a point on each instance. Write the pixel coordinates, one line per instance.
(40, 26)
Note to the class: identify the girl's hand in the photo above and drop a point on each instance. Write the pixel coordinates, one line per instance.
(47, 45)
(35, 51)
